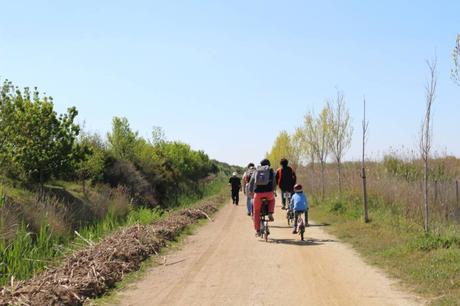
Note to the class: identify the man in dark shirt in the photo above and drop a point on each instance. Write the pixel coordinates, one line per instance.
(285, 179)
(235, 183)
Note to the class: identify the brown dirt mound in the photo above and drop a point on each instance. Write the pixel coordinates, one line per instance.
(90, 272)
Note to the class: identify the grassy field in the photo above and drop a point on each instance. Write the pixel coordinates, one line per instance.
(33, 249)
(428, 264)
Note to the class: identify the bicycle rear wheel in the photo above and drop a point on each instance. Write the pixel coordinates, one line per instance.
(266, 232)
(301, 228)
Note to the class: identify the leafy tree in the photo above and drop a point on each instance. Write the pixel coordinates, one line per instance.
(37, 142)
(92, 166)
(284, 147)
(158, 135)
(322, 131)
(122, 140)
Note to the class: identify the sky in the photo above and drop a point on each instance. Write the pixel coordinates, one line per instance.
(228, 76)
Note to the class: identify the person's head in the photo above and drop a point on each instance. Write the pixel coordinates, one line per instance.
(235, 174)
(284, 162)
(265, 162)
(298, 188)
(251, 165)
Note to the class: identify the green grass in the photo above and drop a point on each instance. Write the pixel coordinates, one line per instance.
(30, 252)
(428, 264)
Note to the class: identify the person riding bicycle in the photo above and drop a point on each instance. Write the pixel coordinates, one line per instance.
(262, 185)
(235, 183)
(285, 179)
(246, 178)
(299, 203)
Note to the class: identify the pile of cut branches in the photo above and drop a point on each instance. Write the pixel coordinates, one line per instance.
(91, 271)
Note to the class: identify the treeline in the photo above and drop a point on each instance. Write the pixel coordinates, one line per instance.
(38, 146)
(326, 137)
(323, 137)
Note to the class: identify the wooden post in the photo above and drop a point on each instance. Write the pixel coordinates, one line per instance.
(363, 167)
(435, 192)
(456, 194)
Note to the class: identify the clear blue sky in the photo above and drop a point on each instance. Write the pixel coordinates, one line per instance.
(227, 76)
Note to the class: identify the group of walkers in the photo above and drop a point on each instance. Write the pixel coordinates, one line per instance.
(261, 182)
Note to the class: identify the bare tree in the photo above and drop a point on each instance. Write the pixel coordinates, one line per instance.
(455, 72)
(365, 125)
(426, 132)
(341, 131)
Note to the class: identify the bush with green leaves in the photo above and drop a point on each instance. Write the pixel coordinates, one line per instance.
(36, 143)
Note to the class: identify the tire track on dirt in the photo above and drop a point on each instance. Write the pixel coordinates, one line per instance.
(224, 264)
(175, 293)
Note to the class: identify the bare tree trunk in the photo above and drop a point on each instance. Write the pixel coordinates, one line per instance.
(456, 194)
(339, 174)
(425, 194)
(323, 189)
(363, 167)
(425, 137)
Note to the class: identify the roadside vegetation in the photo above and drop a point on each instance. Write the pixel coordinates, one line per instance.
(62, 187)
(402, 211)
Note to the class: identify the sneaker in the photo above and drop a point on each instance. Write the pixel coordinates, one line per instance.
(283, 208)
(294, 231)
(270, 217)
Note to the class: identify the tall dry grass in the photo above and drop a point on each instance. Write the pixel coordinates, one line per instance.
(400, 190)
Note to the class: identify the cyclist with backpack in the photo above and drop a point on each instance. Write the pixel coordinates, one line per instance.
(285, 179)
(262, 186)
(246, 178)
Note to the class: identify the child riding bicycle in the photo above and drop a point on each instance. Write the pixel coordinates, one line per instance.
(299, 203)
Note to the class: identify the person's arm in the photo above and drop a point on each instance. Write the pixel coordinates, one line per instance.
(294, 176)
(251, 187)
(277, 176)
(274, 182)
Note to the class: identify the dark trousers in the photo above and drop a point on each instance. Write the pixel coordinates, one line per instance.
(283, 199)
(235, 196)
(296, 215)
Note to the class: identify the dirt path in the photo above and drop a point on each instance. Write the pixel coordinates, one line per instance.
(225, 264)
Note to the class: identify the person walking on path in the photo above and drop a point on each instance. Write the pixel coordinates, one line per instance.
(285, 179)
(246, 178)
(235, 183)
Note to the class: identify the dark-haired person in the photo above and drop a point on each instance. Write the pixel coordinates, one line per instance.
(246, 178)
(285, 179)
(261, 191)
(235, 183)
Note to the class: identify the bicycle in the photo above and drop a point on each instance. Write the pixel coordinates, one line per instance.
(290, 210)
(264, 231)
(300, 225)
